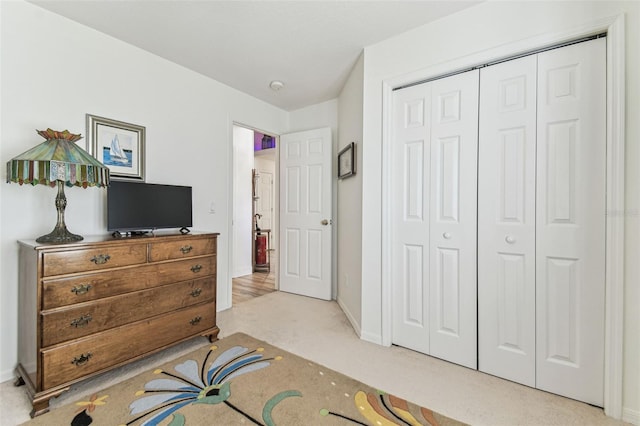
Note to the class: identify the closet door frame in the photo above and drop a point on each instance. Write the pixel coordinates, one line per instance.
(615, 122)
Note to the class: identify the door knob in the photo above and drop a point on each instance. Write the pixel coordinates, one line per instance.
(510, 239)
(447, 235)
(325, 222)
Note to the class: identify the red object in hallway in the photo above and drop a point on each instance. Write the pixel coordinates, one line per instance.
(261, 249)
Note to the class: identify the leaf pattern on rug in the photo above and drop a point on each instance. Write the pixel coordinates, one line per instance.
(194, 385)
(82, 418)
(381, 411)
(390, 411)
(267, 411)
(93, 402)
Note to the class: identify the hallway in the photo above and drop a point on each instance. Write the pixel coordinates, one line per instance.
(254, 285)
(257, 284)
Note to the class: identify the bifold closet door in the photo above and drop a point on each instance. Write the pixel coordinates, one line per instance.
(410, 217)
(434, 197)
(506, 220)
(541, 220)
(453, 230)
(570, 221)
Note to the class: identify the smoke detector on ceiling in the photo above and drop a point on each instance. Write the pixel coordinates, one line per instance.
(276, 85)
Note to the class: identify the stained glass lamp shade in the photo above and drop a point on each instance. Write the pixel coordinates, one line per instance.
(58, 162)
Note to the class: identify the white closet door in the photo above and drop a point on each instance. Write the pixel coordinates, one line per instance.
(453, 227)
(434, 162)
(506, 220)
(410, 217)
(570, 228)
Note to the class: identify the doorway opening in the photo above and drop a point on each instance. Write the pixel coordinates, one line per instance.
(254, 255)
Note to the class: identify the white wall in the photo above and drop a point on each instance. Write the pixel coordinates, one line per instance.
(324, 114)
(472, 32)
(53, 72)
(242, 201)
(349, 219)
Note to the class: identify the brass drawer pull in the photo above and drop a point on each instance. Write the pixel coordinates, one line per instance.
(195, 320)
(82, 359)
(81, 289)
(196, 292)
(100, 259)
(186, 249)
(196, 268)
(82, 321)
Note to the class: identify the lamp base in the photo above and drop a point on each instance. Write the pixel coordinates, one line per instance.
(59, 236)
(60, 233)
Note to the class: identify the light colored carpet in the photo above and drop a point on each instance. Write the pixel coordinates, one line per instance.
(319, 331)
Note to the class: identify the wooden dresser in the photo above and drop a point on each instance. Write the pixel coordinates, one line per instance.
(87, 307)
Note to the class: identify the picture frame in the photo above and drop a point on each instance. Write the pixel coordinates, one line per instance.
(347, 161)
(118, 145)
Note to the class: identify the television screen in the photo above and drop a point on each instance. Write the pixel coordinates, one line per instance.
(135, 206)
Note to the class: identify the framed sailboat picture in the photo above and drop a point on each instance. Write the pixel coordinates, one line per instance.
(117, 145)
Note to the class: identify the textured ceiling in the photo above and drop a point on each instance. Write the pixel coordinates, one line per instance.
(311, 46)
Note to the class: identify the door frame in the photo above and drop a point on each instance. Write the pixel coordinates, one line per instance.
(226, 299)
(615, 122)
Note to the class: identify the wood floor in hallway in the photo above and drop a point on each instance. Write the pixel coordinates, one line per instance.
(255, 285)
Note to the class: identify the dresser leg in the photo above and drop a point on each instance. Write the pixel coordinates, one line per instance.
(39, 400)
(213, 336)
(39, 408)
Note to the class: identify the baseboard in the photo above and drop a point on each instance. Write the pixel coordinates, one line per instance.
(242, 272)
(352, 320)
(631, 416)
(371, 337)
(368, 337)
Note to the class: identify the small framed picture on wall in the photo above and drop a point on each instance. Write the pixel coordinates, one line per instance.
(347, 161)
(117, 145)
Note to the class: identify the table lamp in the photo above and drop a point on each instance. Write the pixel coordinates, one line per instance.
(58, 161)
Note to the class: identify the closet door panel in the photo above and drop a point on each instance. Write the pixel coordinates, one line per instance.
(570, 231)
(410, 217)
(506, 220)
(454, 141)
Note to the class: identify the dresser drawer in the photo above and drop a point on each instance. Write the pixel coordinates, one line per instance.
(103, 350)
(94, 259)
(87, 318)
(180, 249)
(58, 292)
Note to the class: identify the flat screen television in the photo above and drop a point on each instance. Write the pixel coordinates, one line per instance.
(138, 208)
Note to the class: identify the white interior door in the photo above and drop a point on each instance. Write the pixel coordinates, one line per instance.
(434, 160)
(570, 225)
(265, 201)
(506, 220)
(305, 213)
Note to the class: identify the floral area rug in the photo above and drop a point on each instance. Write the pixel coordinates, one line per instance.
(241, 381)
